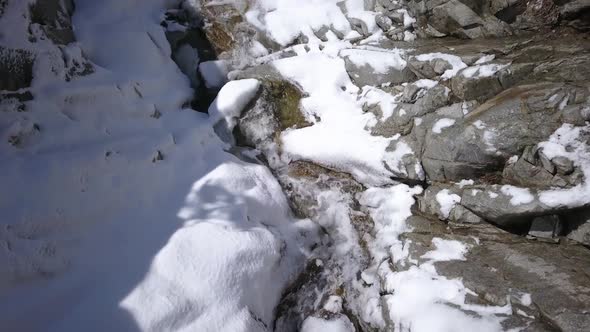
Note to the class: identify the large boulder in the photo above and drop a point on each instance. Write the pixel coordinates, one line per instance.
(502, 127)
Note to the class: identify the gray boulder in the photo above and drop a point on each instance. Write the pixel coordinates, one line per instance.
(364, 74)
(498, 129)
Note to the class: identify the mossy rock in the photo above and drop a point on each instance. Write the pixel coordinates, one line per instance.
(285, 98)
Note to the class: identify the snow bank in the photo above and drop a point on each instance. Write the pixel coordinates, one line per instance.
(124, 213)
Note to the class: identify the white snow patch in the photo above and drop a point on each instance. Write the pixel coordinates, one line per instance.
(380, 61)
(446, 250)
(464, 183)
(447, 201)
(526, 299)
(485, 58)
(338, 324)
(441, 124)
(456, 63)
(426, 83)
(231, 101)
(340, 139)
(214, 73)
(479, 124)
(480, 71)
(285, 20)
(568, 141)
(512, 160)
(387, 103)
(519, 195)
(333, 304)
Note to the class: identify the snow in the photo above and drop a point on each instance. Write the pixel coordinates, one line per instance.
(315, 324)
(231, 101)
(376, 97)
(447, 202)
(103, 236)
(518, 195)
(333, 304)
(568, 141)
(199, 240)
(483, 70)
(485, 58)
(442, 124)
(465, 182)
(380, 62)
(426, 83)
(456, 63)
(214, 73)
(339, 140)
(479, 124)
(446, 250)
(512, 160)
(525, 299)
(285, 20)
(418, 296)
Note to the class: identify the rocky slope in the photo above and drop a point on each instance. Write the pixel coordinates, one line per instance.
(441, 147)
(487, 110)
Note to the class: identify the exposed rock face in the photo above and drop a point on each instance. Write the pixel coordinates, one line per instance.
(483, 110)
(557, 298)
(519, 117)
(495, 18)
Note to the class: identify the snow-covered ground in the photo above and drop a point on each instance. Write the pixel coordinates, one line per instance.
(125, 211)
(114, 219)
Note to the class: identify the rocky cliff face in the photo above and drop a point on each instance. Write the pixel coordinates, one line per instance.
(487, 111)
